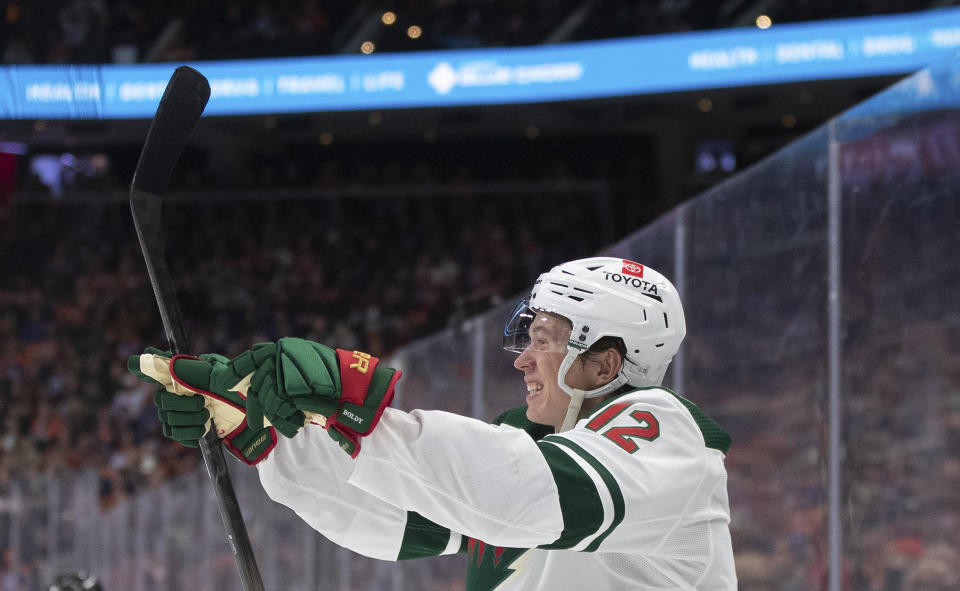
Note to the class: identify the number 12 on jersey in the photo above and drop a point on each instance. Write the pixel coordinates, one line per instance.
(647, 427)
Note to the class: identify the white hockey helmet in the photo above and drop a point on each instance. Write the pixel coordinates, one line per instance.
(606, 296)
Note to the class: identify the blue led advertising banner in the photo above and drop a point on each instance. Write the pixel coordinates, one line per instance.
(847, 48)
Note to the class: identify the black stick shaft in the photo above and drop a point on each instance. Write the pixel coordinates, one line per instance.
(180, 109)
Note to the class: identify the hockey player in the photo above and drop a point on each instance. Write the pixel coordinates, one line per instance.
(604, 480)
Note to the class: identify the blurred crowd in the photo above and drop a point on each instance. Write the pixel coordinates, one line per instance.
(366, 249)
(103, 31)
(368, 273)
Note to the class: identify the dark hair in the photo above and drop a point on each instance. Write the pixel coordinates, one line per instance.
(602, 344)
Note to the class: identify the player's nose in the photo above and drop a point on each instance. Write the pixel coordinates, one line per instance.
(524, 360)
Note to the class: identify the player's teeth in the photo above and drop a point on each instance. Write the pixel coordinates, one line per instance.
(533, 387)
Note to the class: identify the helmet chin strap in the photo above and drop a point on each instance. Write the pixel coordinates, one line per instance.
(577, 396)
(573, 410)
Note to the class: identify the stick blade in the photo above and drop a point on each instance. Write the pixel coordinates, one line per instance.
(177, 115)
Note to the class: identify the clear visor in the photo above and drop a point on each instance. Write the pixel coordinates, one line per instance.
(538, 330)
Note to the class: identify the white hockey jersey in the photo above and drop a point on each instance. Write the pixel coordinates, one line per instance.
(633, 497)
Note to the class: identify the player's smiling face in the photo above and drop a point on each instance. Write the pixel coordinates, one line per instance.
(540, 363)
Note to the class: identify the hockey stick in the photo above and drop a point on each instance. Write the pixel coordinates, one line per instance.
(180, 108)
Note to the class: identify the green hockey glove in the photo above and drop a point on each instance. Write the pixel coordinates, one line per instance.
(186, 417)
(306, 381)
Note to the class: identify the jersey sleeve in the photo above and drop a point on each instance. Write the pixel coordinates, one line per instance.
(616, 482)
(488, 482)
(308, 474)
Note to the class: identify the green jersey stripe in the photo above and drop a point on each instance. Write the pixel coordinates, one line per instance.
(422, 537)
(616, 495)
(580, 505)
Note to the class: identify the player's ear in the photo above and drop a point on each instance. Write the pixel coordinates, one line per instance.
(608, 366)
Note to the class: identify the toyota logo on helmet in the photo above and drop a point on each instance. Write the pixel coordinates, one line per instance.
(632, 268)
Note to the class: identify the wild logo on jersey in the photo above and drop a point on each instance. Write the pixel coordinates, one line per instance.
(488, 566)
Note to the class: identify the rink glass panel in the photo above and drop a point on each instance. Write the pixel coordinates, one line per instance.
(901, 338)
(755, 293)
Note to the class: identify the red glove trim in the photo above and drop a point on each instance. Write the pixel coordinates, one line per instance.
(387, 400)
(201, 391)
(333, 423)
(228, 442)
(356, 372)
